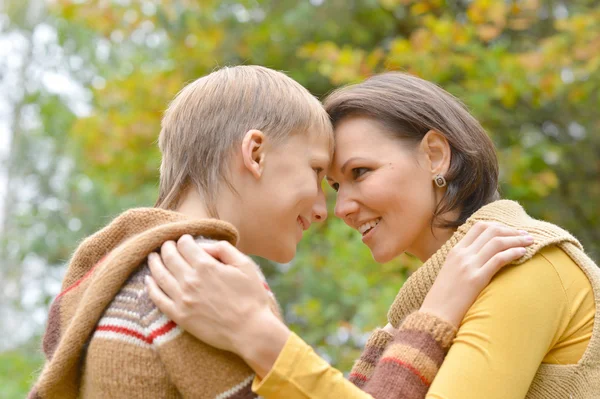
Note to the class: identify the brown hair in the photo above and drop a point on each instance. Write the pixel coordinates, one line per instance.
(210, 115)
(409, 107)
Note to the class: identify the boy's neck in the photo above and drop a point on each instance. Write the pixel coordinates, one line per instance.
(193, 205)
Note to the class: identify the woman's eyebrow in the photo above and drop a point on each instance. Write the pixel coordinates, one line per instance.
(343, 169)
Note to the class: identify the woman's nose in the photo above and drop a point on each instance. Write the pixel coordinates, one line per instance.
(344, 206)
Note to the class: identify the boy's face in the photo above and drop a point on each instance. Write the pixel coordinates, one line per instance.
(287, 198)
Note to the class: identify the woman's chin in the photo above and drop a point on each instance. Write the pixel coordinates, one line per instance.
(384, 256)
(381, 257)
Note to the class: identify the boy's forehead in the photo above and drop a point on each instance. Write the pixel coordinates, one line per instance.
(321, 143)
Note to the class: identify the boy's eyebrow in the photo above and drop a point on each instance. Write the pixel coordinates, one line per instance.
(322, 160)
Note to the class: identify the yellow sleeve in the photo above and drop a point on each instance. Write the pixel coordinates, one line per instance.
(505, 335)
(299, 373)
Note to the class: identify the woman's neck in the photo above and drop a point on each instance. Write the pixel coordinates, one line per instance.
(433, 238)
(429, 242)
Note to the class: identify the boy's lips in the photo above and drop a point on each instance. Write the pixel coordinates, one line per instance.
(303, 222)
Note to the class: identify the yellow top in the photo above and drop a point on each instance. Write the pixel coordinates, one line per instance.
(299, 373)
(540, 311)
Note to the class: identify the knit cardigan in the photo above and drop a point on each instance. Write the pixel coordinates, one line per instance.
(105, 337)
(578, 381)
(404, 365)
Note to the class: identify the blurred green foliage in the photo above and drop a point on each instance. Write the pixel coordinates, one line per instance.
(18, 368)
(529, 70)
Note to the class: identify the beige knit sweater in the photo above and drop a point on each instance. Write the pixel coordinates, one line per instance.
(577, 381)
(106, 339)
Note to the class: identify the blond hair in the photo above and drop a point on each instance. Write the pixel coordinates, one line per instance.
(210, 116)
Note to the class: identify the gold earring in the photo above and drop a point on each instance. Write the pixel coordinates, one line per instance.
(440, 181)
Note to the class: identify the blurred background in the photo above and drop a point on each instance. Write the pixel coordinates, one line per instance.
(83, 85)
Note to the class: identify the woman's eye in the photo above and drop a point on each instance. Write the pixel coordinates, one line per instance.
(318, 170)
(358, 172)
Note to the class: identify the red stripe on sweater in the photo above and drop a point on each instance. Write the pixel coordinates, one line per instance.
(76, 283)
(148, 339)
(163, 330)
(406, 366)
(125, 331)
(359, 376)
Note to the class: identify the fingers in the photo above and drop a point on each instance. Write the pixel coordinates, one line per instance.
(161, 276)
(501, 243)
(472, 235)
(162, 301)
(194, 253)
(225, 252)
(490, 231)
(173, 261)
(500, 260)
(230, 255)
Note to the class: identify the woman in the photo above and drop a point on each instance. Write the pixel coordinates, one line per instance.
(414, 171)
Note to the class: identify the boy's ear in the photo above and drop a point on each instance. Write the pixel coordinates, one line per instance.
(437, 151)
(254, 151)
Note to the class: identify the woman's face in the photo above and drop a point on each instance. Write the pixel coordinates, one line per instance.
(384, 189)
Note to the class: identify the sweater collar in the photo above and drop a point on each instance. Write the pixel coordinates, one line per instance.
(508, 212)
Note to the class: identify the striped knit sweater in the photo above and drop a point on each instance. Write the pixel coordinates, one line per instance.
(403, 366)
(105, 337)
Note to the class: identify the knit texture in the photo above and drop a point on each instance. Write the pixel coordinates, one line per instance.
(404, 365)
(581, 380)
(364, 367)
(105, 338)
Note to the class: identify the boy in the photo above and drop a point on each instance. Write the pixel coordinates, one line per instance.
(244, 150)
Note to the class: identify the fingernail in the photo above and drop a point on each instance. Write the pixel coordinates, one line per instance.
(152, 256)
(147, 280)
(523, 232)
(529, 239)
(522, 251)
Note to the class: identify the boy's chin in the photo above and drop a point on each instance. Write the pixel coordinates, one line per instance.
(282, 255)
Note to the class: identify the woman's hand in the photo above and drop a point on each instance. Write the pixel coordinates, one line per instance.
(469, 267)
(215, 293)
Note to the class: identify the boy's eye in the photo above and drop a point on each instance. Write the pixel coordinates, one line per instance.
(358, 172)
(335, 186)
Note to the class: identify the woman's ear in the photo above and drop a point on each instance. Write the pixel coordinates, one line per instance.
(254, 152)
(437, 152)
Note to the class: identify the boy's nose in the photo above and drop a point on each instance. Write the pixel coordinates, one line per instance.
(319, 211)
